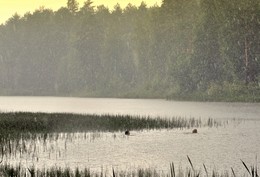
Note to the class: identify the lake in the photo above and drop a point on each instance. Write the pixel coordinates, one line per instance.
(151, 107)
(219, 148)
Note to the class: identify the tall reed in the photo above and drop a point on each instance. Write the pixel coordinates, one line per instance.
(24, 122)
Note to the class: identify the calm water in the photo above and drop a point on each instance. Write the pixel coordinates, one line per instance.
(152, 107)
(218, 148)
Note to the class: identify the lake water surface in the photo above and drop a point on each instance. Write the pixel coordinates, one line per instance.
(151, 107)
(219, 148)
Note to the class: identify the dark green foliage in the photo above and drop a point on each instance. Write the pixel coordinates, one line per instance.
(185, 49)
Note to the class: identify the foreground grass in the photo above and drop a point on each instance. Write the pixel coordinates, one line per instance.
(25, 122)
(10, 171)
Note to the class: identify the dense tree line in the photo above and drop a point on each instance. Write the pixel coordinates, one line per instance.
(182, 49)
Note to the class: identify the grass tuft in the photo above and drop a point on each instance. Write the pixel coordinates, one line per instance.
(205, 170)
(172, 170)
(11, 171)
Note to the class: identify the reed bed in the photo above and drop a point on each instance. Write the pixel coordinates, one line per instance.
(25, 122)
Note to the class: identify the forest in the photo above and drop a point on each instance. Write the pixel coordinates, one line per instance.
(205, 50)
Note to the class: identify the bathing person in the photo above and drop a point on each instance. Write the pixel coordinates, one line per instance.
(195, 131)
(127, 132)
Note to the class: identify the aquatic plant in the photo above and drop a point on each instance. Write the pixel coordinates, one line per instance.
(253, 170)
(12, 171)
(172, 170)
(25, 122)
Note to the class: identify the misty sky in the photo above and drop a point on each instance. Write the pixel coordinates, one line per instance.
(10, 7)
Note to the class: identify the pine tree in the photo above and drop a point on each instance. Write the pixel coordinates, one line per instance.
(73, 6)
